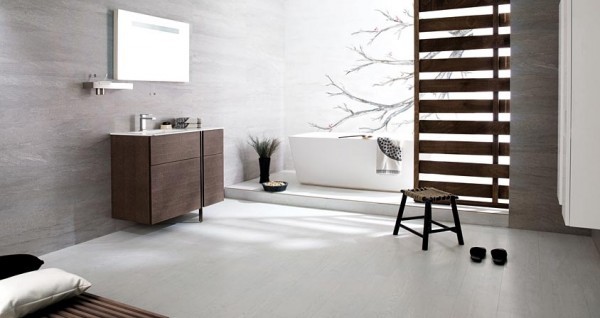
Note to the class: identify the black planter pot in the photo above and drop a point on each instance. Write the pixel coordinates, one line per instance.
(264, 164)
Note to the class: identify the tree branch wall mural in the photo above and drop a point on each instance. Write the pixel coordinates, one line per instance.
(372, 114)
(382, 114)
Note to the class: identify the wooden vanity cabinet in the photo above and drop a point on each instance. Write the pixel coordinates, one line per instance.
(156, 178)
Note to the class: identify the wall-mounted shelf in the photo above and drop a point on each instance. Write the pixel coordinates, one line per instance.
(100, 86)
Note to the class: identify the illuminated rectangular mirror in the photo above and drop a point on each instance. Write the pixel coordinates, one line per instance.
(149, 48)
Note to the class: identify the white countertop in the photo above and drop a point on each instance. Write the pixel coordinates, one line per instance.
(160, 132)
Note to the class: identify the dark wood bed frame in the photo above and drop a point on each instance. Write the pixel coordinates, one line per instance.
(91, 306)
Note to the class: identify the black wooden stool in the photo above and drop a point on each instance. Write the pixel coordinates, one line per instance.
(429, 195)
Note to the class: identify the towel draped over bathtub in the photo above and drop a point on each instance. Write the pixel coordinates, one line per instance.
(389, 156)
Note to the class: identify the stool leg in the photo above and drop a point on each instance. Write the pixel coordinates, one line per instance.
(400, 213)
(457, 221)
(426, 225)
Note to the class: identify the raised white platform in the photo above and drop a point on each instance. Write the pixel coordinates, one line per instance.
(360, 201)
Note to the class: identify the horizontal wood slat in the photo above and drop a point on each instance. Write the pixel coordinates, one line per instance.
(465, 43)
(464, 169)
(464, 85)
(464, 127)
(462, 148)
(465, 22)
(463, 64)
(462, 106)
(467, 189)
(434, 5)
(504, 149)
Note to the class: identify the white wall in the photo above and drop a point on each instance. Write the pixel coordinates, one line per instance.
(238, 65)
(318, 38)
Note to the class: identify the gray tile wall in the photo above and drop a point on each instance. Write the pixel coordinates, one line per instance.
(534, 117)
(54, 150)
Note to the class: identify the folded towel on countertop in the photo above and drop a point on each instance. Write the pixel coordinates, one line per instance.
(389, 156)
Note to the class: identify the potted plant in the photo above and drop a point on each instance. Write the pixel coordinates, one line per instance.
(264, 147)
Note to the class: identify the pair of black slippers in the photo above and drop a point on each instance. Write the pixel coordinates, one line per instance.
(499, 255)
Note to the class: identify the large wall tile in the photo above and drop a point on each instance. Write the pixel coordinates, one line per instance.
(55, 158)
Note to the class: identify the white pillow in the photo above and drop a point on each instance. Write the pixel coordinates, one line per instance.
(31, 291)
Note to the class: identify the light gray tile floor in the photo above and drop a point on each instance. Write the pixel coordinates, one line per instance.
(262, 260)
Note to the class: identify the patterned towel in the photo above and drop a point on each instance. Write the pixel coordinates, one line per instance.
(389, 156)
(187, 122)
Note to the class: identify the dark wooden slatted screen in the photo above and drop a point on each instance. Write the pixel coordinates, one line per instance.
(446, 82)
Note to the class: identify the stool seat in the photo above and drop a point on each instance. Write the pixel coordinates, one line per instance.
(429, 195)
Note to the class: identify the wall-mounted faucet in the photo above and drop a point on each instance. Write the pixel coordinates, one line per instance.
(143, 119)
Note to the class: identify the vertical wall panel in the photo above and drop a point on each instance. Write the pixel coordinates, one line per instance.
(534, 118)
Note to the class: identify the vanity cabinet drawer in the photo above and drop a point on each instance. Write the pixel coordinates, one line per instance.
(213, 185)
(212, 142)
(175, 189)
(174, 147)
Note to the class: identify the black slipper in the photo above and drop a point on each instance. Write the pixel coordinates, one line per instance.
(477, 254)
(499, 256)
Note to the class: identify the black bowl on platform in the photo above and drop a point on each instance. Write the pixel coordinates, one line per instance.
(274, 186)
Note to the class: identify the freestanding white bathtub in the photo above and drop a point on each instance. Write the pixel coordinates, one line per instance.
(321, 158)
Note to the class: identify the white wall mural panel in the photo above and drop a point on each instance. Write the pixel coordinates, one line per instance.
(348, 67)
